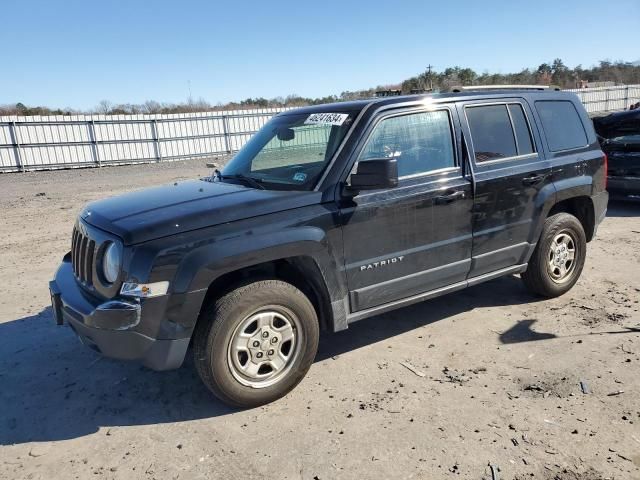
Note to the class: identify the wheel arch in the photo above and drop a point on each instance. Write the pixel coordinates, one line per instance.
(580, 207)
(301, 271)
(574, 196)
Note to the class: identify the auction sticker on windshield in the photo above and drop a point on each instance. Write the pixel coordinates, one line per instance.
(326, 119)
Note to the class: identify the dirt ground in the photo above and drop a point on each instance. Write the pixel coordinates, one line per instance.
(496, 382)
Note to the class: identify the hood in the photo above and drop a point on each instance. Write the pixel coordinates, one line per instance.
(180, 207)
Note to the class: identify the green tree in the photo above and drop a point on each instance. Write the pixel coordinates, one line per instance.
(467, 76)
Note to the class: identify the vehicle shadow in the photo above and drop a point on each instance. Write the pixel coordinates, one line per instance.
(499, 292)
(54, 388)
(522, 332)
(623, 208)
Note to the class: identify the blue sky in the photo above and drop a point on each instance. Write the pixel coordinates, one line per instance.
(75, 53)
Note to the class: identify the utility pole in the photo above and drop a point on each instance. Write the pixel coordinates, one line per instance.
(429, 67)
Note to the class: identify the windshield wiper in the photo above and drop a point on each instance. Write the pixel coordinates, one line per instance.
(253, 182)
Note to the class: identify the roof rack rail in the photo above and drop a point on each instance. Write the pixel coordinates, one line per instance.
(388, 93)
(420, 91)
(470, 88)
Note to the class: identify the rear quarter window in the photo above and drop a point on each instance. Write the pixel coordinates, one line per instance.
(561, 124)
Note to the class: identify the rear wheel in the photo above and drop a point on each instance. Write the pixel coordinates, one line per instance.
(558, 258)
(256, 343)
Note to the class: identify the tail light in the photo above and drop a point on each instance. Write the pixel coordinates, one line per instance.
(606, 170)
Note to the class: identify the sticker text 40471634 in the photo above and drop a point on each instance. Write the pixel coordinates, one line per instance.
(326, 119)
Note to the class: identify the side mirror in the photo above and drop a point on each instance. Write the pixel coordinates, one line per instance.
(286, 134)
(375, 174)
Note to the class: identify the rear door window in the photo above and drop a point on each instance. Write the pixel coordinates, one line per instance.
(561, 124)
(499, 131)
(491, 132)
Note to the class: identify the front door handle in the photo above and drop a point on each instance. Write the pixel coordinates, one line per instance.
(450, 197)
(533, 179)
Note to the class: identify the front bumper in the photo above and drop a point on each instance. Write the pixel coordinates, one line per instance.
(108, 327)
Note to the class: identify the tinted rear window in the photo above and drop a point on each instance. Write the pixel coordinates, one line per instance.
(491, 132)
(562, 125)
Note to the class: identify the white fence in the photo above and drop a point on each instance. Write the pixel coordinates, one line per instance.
(31, 143)
(35, 143)
(608, 99)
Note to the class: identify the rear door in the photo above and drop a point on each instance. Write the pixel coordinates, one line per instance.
(510, 173)
(416, 237)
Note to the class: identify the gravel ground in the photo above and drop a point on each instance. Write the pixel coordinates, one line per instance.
(443, 389)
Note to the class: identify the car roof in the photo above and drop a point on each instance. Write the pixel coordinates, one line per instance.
(618, 124)
(619, 117)
(357, 105)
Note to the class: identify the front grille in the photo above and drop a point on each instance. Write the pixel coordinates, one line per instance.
(82, 255)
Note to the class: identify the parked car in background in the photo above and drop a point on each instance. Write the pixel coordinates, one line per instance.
(620, 139)
(331, 214)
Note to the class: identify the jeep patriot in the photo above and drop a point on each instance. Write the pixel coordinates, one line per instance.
(328, 215)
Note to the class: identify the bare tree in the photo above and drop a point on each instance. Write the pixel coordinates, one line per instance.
(151, 106)
(555, 72)
(104, 107)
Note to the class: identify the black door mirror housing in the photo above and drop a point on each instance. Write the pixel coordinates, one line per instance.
(375, 174)
(286, 134)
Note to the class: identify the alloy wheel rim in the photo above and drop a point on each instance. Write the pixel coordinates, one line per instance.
(562, 257)
(264, 346)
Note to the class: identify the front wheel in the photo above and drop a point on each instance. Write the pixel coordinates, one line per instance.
(559, 256)
(256, 343)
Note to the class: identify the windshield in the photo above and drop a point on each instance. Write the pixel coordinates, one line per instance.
(290, 151)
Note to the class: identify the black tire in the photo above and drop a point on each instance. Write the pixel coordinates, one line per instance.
(219, 323)
(539, 276)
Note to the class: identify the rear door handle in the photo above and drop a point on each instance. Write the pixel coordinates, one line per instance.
(533, 179)
(450, 197)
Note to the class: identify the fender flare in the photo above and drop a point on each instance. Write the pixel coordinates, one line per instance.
(562, 190)
(200, 267)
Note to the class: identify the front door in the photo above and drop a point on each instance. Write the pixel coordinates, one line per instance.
(416, 237)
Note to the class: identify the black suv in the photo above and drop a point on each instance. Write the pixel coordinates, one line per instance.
(620, 139)
(331, 214)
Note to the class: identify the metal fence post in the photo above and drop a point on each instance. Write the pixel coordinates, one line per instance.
(626, 98)
(156, 138)
(226, 132)
(94, 143)
(16, 145)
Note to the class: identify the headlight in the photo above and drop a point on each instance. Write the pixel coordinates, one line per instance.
(144, 290)
(111, 260)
